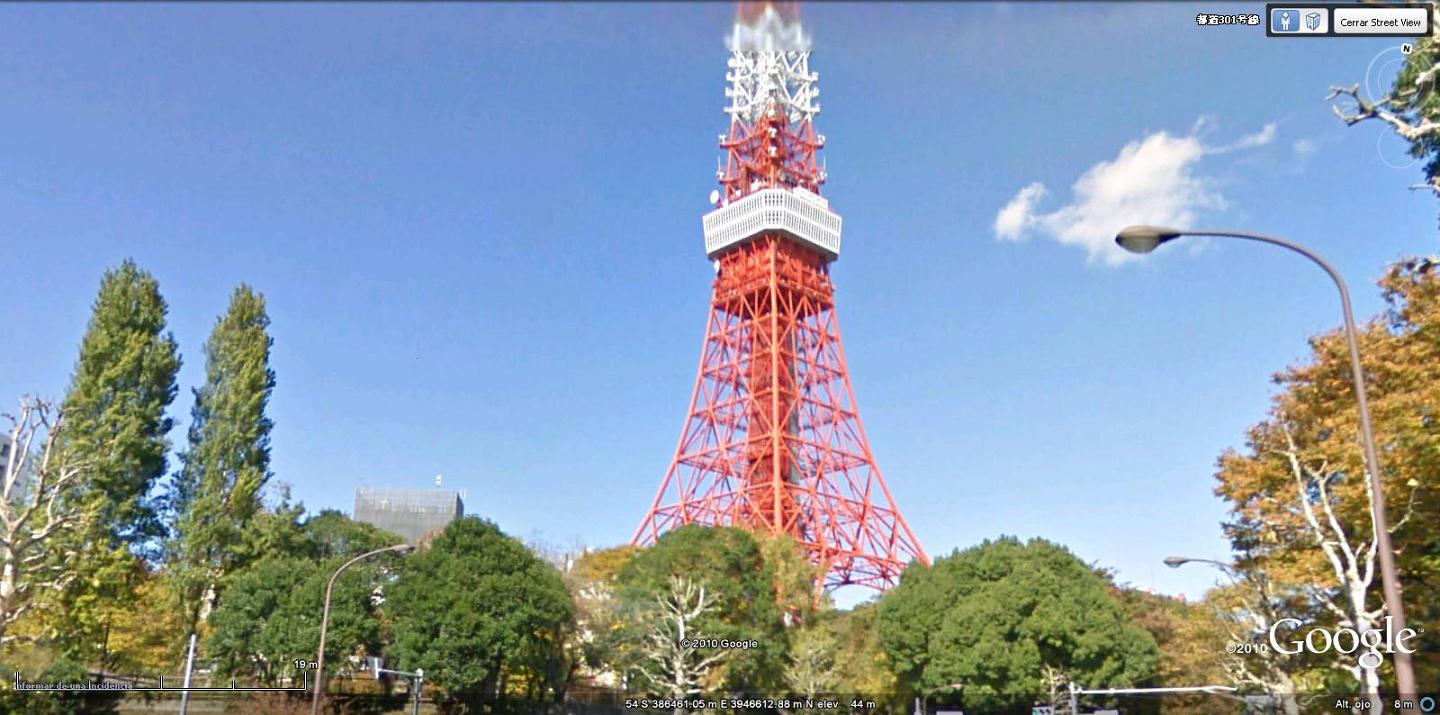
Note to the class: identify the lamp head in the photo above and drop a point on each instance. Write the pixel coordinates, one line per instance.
(1144, 239)
(404, 548)
(1176, 562)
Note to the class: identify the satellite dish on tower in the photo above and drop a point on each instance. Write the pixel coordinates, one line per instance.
(714, 196)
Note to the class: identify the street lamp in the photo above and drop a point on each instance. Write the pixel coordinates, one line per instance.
(1144, 239)
(1176, 562)
(920, 704)
(325, 620)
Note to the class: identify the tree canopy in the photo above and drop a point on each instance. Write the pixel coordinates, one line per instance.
(115, 408)
(117, 424)
(480, 614)
(742, 584)
(269, 613)
(995, 616)
(227, 462)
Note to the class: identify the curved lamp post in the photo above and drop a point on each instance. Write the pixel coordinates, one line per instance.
(1176, 562)
(325, 620)
(1144, 239)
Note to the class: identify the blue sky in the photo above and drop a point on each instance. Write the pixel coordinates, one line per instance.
(477, 226)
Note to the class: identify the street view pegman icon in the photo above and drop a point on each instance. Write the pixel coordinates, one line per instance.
(1284, 20)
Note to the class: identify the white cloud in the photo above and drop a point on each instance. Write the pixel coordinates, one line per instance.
(1305, 147)
(1153, 180)
(1011, 222)
(1260, 138)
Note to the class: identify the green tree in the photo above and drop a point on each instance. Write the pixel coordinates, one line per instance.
(116, 424)
(743, 585)
(248, 632)
(115, 408)
(330, 533)
(282, 528)
(995, 616)
(219, 488)
(481, 614)
(270, 617)
(269, 612)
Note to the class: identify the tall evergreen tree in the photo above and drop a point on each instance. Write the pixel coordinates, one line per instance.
(115, 407)
(116, 424)
(227, 463)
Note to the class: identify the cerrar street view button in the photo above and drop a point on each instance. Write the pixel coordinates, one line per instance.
(1403, 21)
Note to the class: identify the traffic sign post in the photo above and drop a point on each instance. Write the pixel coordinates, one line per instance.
(417, 678)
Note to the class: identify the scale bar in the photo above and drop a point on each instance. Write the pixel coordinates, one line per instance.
(210, 689)
(305, 679)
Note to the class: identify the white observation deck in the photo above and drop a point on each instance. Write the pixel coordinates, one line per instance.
(799, 214)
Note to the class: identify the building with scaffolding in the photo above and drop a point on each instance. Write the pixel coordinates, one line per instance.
(411, 513)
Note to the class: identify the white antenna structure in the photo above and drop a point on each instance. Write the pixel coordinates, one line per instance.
(770, 62)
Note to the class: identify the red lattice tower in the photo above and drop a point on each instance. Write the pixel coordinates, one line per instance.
(773, 441)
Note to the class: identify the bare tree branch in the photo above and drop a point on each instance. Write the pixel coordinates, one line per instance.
(1365, 110)
(1406, 108)
(1354, 568)
(680, 667)
(35, 507)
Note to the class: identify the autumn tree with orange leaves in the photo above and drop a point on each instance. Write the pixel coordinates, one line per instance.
(1300, 494)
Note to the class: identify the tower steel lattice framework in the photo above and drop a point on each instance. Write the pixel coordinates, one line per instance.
(773, 441)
